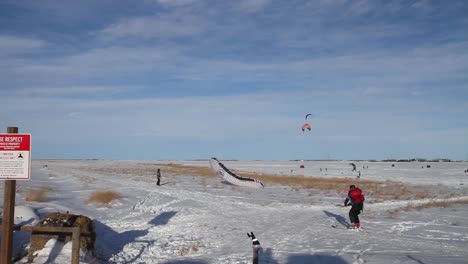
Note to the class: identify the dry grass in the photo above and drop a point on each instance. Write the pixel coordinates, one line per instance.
(424, 195)
(103, 197)
(376, 190)
(87, 179)
(150, 169)
(179, 169)
(39, 195)
(430, 204)
(187, 249)
(386, 190)
(433, 203)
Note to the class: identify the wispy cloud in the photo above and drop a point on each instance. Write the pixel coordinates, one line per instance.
(251, 5)
(73, 91)
(154, 27)
(176, 3)
(12, 45)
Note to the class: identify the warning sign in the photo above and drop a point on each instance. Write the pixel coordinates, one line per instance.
(15, 156)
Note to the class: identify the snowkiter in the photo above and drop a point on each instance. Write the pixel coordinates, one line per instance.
(356, 199)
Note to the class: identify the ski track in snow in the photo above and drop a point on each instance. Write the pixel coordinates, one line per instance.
(192, 219)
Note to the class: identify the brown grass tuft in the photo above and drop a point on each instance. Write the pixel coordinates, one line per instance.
(424, 195)
(187, 249)
(104, 197)
(39, 195)
(433, 203)
(430, 204)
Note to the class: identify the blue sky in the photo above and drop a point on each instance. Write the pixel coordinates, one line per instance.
(190, 79)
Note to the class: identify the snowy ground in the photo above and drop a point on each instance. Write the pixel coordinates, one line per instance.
(200, 220)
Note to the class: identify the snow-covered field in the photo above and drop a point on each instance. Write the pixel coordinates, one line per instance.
(198, 220)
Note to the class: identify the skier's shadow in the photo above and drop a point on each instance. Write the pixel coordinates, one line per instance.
(340, 219)
(267, 256)
(110, 242)
(162, 219)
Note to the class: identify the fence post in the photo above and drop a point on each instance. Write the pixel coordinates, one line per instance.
(76, 245)
(8, 215)
(255, 254)
(255, 246)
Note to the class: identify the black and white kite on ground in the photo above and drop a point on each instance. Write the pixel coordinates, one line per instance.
(231, 177)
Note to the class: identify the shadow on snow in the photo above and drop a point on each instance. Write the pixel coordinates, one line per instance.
(162, 219)
(109, 242)
(115, 242)
(186, 262)
(340, 219)
(315, 259)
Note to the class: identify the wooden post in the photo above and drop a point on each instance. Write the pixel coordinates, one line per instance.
(255, 254)
(76, 245)
(8, 215)
(255, 246)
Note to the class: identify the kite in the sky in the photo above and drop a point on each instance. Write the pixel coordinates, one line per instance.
(306, 125)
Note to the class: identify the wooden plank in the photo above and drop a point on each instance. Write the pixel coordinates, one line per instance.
(49, 229)
(8, 215)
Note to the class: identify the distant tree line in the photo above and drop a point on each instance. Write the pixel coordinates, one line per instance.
(390, 160)
(417, 160)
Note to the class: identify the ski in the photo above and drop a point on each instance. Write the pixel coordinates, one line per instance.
(349, 228)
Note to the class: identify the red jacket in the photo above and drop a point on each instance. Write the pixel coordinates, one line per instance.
(355, 196)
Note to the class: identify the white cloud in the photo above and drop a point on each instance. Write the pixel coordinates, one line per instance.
(359, 8)
(176, 3)
(423, 5)
(251, 5)
(74, 91)
(164, 26)
(10, 45)
(373, 90)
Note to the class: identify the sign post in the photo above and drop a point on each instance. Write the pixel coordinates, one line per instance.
(15, 162)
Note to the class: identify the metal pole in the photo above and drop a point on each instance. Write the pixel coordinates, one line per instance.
(8, 215)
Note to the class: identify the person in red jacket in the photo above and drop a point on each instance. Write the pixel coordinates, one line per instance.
(356, 199)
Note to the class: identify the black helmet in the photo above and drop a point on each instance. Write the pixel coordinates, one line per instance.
(352, 186)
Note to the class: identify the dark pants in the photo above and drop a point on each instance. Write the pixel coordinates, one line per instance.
(159, 181)
(355, 211)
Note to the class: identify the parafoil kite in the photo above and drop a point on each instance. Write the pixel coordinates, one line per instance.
(354, 166)
(306, 125)
(231, 177)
